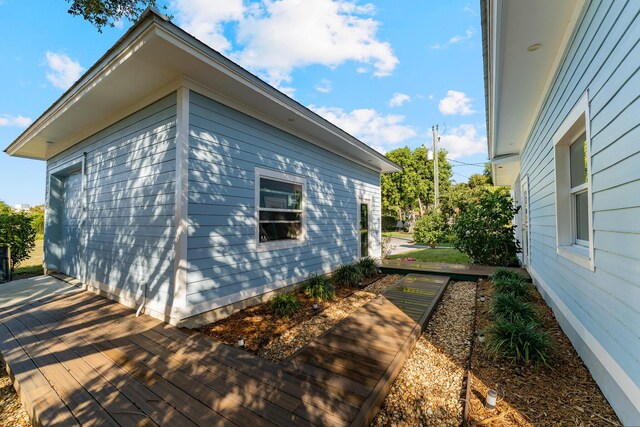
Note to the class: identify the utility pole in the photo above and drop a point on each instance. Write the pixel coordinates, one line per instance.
(434, 130)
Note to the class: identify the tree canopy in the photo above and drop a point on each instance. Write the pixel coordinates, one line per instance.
(101, 13)
(412, 189)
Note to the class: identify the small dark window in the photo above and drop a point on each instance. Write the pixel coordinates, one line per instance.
(280, 210)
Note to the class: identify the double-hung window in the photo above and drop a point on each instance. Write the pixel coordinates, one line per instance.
(579, 190)
(574, 224)
(280, 202)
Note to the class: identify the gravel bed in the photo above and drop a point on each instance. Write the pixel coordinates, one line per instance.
(429, 389)
(11, 412)
(562, 394)
(301, 334)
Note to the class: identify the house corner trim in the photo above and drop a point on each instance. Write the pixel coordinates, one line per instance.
(181, 198)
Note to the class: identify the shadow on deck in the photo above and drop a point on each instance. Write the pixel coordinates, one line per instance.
(80, 359)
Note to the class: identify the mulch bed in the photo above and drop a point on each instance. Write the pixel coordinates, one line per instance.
(429, 390)
(562, 394)
(260, 327)
(11, 412)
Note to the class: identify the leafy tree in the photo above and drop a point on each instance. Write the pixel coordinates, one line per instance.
(5, 207)
(487, 172)
(412, 189)
(430, 228)
(37, 219)
(484, 229)
(478, 180)
(17, 231)
(101, 13)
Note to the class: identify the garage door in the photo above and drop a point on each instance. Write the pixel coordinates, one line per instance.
(71, 225)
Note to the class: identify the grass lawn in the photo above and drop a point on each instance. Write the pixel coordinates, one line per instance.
(400, 234)
(31, 266)
(448, 255)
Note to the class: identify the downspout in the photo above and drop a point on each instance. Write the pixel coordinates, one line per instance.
(144, 299)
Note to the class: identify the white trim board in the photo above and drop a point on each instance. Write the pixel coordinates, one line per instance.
(181, 199)
(612, 368)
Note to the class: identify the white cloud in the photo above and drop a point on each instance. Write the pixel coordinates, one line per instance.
(324, 86)
(17, 121)
(455, 39)
(63, 71)
(467, 35)
(463, 141)
(368, 125)
(205, 18)
(470, 10)
(398, 99)
(277, 36)
(455, 103)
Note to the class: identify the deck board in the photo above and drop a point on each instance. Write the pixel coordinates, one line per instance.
(79, 359)
(382, 334)
(454, 271)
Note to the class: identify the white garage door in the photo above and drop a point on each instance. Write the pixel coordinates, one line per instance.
(71, 225)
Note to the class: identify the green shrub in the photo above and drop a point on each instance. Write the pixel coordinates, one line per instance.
(318, 287)
(503, 273)
(519, 341)
(430, 229)
(348, 275)
(514, 286)
(284, 305)
(368, 266)
(17, 231)
(511, 308)
(484, 229)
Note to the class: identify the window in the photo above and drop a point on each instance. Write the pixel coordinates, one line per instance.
(573, 187)
(280, 200)
(579, 190)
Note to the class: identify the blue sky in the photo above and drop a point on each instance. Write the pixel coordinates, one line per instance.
(385, 71)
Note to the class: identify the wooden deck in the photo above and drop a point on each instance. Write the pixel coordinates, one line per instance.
(80, 359)
(454, 271)
(359, 358)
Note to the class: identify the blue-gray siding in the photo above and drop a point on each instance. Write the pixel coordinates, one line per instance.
(225, 146)
(130, 204)
(603, 58)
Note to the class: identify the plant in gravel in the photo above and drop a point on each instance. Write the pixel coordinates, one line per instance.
(318, 287)
(517, 287)
(368, 266)
(509, 307)
(349, 275)
(284, 305)
(519, 341)
(503, 273)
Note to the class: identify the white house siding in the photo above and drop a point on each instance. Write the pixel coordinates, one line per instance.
(225, 147)
(130, 191)
(603, 58)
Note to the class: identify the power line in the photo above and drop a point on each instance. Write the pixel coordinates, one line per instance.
(465, 163)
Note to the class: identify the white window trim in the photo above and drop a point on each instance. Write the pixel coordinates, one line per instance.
(279, 244)
(578, 251)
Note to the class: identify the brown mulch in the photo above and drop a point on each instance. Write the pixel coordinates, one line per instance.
(429, 389)
(11, 412)
(562, 394)
(259, 326)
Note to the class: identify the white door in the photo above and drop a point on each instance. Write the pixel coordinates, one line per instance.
(526, 235)
(71, 230)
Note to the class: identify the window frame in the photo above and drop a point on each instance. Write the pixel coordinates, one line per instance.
(568, 245)
(290, 179)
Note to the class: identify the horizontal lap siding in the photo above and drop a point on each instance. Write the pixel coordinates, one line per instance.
(130, 190)
(603, 58)
(225, 147)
